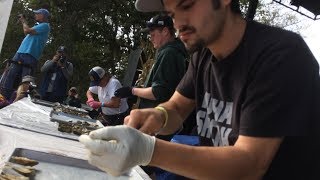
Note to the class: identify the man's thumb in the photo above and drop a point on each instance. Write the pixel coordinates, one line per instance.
(97, 146)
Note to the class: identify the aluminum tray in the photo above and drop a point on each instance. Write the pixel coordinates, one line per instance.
(56, 167)
(64, 117)
(44, 103)
(61, 116)
(62, 107)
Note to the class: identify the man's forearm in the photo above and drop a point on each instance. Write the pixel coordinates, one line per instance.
(204, 162)
(89, 94)
(145, 93)
(178, 109)
(25, 25)
(26, 28)
(111, 104)
(174, 122)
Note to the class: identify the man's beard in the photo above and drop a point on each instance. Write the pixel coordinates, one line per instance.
(199, 44)
(193, 46)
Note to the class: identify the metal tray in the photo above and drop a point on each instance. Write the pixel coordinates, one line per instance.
(86, 107)
(63, 108)
(44, 103)
(61, 116)
(56, 167)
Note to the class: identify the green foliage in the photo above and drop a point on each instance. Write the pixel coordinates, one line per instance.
(96, 33)
(276, 15)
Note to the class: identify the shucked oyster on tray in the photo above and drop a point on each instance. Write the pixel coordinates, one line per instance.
(73, 120)
(71, 110)
(77, 128)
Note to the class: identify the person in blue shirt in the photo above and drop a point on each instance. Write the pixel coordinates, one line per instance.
(26, 58)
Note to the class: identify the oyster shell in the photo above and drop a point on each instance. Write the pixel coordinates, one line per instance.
(71, 110)
(9, 173)
(24, 170)
(24, 161)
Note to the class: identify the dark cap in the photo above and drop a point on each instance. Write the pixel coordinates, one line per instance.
(158, 21)
(96, 74)
(62, 49)
(73, 89)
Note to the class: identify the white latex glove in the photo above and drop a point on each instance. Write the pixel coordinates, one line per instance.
(116, 149)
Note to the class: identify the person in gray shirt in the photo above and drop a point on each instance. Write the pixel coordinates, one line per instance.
(57, 72)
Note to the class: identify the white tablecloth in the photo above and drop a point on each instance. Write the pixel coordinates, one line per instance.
(26, 119)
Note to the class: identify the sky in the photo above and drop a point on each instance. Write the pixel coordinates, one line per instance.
(311, 35)
(311, 28)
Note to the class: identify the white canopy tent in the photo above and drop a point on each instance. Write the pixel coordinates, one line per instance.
(5, 9)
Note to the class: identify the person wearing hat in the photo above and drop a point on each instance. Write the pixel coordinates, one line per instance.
(114, 109)
(73, 99)
(27, 86)
(56, 74)
(26, 58)
(169, 68)
(256, 92)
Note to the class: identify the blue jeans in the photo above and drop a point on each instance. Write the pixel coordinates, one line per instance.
(20, 66)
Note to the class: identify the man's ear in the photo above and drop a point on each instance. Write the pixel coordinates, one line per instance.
(225, 2)
(166, 30)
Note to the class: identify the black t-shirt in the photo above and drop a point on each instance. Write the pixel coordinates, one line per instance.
(268, 87)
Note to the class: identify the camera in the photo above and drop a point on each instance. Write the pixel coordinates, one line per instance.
(62, 59)
(32, 92)
(32, 86)
(21, 15)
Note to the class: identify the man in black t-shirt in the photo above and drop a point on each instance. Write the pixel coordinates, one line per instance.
(256, 92)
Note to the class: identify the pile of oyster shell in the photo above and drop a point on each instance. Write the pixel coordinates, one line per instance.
(70, 110)
(77, 128)
(19, 168)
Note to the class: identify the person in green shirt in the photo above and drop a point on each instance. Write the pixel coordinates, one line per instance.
(167, 71)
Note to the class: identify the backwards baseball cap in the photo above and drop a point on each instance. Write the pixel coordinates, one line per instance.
(158, 21)
(73, 89)
(62, 49)
(149, 5)
(45, 12)
(27, 78)
(96, 74)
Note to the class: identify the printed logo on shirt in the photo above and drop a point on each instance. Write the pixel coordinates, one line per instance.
(214, 120)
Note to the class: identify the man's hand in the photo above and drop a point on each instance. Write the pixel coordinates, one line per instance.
(22, 18)
(56, 58)
(116, 149)
(89, 100)
(94, 104)
(123, 92)
(149, 121)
